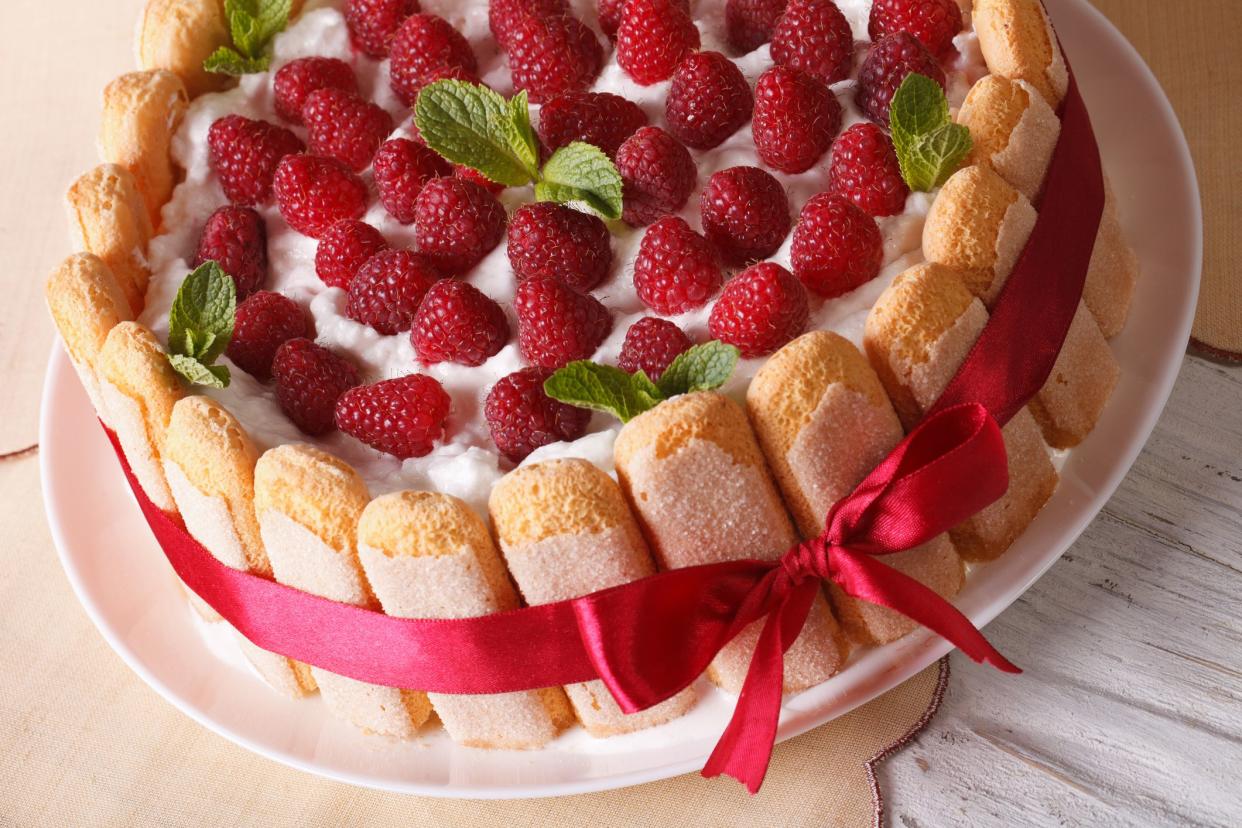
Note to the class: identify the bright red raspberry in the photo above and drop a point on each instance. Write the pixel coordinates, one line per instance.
(373, 23)
(343, 126)
(749, 23)
(522, 417)
(549, 56)
(457, 322)
(309, 380)
(425, 49)
(598, 118)
(236, 239)
(297, 79)
(651, 344)
(401, 168)
(708, 101)
(654, 36)
(504, 15)
(557, 324)
(657, 173)
(547, 239)
(761, 309)
(315, 193)
(676, 269)
(865, 170)
(610, 14)
(796, 118)
(934, 22)
(814, 36)
(263, 323)
(403, 417)
(388, 289)
(745, 214)
(245, 153)
(886, 66)
(836, 246)
(457, 223)
(344, 248)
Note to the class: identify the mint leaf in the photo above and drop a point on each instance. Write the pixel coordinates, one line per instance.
(213, 376)
(225, 61)
(704, 367)
(200, 324)
(587, 384)
(472, 125)
(929, 161)
(252, 25)
(582, 172)
(521, 135)
(919, 107)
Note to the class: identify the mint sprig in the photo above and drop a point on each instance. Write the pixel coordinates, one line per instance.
(253, 24)
(200, 324)
(929, 146)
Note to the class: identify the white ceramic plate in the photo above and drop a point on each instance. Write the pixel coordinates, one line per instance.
(128, 589)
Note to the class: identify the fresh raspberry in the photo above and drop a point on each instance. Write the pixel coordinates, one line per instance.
(934, 22)
(598, 118)
(457, 322)
(309, 380)
(263, 323)
(814, 36)
(886, 66)
(457, 223)
(547, 239)
(610, 14)
(549, 56)
(401, 168)
(425, 49)
(865, 170)
(654, 36)
(557, 324)
(236, 239)
(657, 173)
(297, 79)
(749, 23)
(388, 289)
(245, 153)
(651, 344)
(504, 15)
(745, 214)
(344, 248)
(761, 309)
(470, 174)
(522, 417)
(373, 23)
(676, 269)
(403, 417)
(796, 118)
(315, 193)
(343, 126)
(708, 101)
(836, 246)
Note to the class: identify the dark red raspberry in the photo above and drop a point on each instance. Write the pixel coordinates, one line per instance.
(344, 248)
(658, 175)
(934, 22)
(749, 23)
(343, 126)
(388, 289)
(309, 380)
(654, 36)
(796, 118)
(886, 66)
(457, 223)
(522, 417)
(315, 193)
(557, 324)
(547, 239)
(676, 269)
(401, 168)
(263, 323)
(236, 239)
(297, 79)
(403, 417)
(373, 23)
(598, 118)
(865, 170)
(549, 56)
(708, 101)
(814, 36)
(425, 49)
(245, 153)
(470, 174)
(745, 214)
(504, 15)
(651, 344)
(836, 246)
(457, 322)
(761, 309)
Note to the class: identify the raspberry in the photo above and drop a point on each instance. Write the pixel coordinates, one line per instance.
(814, 36)
(344, 248)
(610, 14)
(315, 193)
(457, 223)
(245, 153)
(745, 214)
(297, 79)
(388, 289)
(401, 168)
(749, 23)
(654, 36)
(651, 344)
(886, 66)
(426, 49)
(470, 174)
(522, 417)
(457, 322)
(343, 126)
(761, 309)
(676, 269)
(309, 380)
(504, 15)
(236, 239)
(598, 118)
(796, 118)
(263, 323)
(557, 324)
(403, 417)
(708, 101)
(934, 22)
(657, 173)
(547, 239)
(836, 246)
(372, 23)
(865, 170)
(549, 56)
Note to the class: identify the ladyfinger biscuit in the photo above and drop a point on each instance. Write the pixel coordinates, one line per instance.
(693, 472)
(141, 112)
(1018, 42)
(1113, 272)
(308, 503)
(427, 555)
(566, 531)
(113, 223)
(178, 35)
